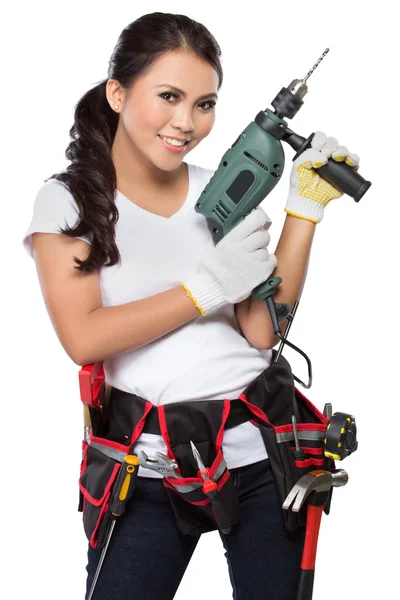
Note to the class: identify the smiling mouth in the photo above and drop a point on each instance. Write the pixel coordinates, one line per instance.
(185, 144)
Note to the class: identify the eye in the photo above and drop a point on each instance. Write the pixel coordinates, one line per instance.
(210, 103)
(167, 94)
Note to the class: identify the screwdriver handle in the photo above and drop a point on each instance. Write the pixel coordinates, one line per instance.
(298, 454)
(125, 484)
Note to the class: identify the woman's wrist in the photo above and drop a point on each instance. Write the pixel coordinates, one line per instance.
(304, 208)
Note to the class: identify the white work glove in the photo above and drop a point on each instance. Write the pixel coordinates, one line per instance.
(309, 193)
(229, 271)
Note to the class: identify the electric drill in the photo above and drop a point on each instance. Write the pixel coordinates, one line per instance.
(253, 165)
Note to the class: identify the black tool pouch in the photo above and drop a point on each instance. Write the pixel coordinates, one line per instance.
(102, 457)
(98, 472)
(274, 392)
(202, 423)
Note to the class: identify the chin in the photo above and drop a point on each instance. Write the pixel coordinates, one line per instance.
(168, 167)
(167, 164)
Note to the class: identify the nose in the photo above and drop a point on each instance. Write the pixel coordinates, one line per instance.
(183, 120)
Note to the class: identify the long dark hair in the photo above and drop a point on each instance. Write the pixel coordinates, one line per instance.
(91, 176)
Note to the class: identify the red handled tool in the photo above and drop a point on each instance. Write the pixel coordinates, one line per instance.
(316, 486)
(210, 489)
(93, 388)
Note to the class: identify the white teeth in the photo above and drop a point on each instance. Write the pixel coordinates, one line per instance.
(172, 141)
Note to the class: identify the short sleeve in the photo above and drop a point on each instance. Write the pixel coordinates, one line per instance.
(54, 208)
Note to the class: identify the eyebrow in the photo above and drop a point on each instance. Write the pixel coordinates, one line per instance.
(183, 93)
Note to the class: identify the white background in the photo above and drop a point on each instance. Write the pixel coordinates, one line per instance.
(347, 321)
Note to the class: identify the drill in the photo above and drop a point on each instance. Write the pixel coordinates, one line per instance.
(250, 169)
(253, 165)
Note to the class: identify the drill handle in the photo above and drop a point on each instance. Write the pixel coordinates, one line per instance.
(339, 174)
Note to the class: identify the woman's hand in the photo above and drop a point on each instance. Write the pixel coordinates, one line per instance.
(265, 226)
(309, 193)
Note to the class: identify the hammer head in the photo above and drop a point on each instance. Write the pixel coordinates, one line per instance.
(314, 481)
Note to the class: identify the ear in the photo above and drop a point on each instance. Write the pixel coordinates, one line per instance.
(115, 94)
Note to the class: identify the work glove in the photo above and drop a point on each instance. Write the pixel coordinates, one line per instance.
(309, 193)
(229, 271)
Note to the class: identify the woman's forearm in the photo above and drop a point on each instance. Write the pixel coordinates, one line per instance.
(112, 330)
(292, 253)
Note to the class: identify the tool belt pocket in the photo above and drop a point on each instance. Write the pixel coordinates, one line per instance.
(194, 511)
(287, 469)
(199, 505)
(284, 400)
(97, 475)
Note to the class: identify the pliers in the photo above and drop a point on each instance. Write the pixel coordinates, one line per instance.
(210, 489)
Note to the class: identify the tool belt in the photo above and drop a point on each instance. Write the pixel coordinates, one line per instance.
(269, 402)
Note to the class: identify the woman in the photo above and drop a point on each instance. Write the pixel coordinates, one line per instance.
(136, 282)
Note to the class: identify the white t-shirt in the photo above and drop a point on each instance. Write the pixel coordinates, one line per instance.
(207, 358)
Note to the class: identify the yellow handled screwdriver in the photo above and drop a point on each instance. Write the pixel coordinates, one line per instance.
(124, 487)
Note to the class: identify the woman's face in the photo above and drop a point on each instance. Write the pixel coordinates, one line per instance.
(153, 107)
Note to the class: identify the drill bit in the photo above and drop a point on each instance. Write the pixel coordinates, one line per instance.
(315, 66)
(290, 99)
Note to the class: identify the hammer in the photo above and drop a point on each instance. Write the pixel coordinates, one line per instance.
(315, 485)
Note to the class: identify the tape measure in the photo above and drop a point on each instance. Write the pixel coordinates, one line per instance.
(340, 438)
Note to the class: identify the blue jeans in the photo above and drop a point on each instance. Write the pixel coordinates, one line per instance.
(147, 555)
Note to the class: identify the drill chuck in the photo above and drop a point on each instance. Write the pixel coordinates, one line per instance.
(289, 100)
(298, 88)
